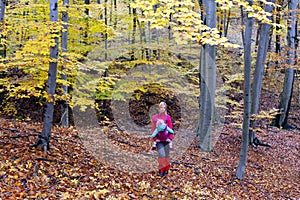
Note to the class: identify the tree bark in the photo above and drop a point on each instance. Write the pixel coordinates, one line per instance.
(247, 97)
(2, 15)
(156, 53)
(149, 52)
(2, 10)
(116, 16)
(134, 15)
(207, 83)
(101, 15)
(278, 37)
(242, 23)
(226, 22)
(64, 46)
(281, 119)
(86, 28)
(44, 137)
(106, 25)
(259, 71)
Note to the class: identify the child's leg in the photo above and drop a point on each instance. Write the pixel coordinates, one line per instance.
(171, 145)
(154, 146)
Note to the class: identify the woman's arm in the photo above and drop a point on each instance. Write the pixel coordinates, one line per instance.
(153, 123)
(169, 122)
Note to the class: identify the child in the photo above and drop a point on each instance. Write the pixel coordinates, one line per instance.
(161, 126)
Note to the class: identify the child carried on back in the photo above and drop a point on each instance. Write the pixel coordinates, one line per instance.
(163, 129)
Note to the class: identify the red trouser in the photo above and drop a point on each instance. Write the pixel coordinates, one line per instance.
(163, 164)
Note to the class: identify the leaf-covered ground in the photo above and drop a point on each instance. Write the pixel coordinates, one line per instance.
(69, 170)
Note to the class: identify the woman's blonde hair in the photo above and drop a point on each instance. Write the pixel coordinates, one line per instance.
(163, 104)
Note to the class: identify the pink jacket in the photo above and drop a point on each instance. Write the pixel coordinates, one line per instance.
(163, 135)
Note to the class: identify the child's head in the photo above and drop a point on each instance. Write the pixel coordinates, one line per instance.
(159, 122)
(160, 125)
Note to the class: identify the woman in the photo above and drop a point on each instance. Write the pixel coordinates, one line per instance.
(162, 139)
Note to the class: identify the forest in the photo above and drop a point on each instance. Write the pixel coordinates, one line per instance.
(81, 80)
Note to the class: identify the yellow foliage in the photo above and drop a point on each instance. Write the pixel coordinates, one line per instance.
(29, 34)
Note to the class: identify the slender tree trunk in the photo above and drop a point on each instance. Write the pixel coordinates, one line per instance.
(64, 46)
(277, 37)
(142, 35)
(111, 12)
(227, 22)
(133, 33)
(144, 39)
(220, 20)
(281, 119)
(116, 12)
(259, 71)
(2, 9)
(156, 38)
(101, 15)
(86, 30)
(44, 137)
(2, 14)
(87, 11)
(242, 23)
(129, 30)
(149, 40)
(257, 36)
(106, 24)
(247, 97)
(170, 28)
(296, 41)
(208, 83)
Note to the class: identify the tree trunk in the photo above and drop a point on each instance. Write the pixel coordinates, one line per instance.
(226, 22)
(281, 119)
(156, 38)
(257, 36)
(247, 97)
(2, 10)
(143, 38)
(278, 37)
(203, 94)
(170, 27)
(149, 52)
(2, 14)
(116, 16)
(259, 71)
(86, 28)
(44, 137)
(111, 12)
(64, 46)
(101, 15)
(242, 24)
(207, 83)
(105, 35)
(134, 15)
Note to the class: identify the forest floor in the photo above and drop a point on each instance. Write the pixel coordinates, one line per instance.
(69, 171)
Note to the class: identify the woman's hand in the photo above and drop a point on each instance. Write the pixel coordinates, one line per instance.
(168, 140)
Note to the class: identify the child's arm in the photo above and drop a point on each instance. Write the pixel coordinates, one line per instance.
(170, 130)
(154, 134)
